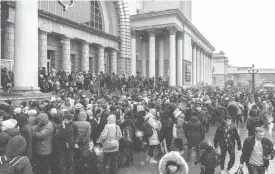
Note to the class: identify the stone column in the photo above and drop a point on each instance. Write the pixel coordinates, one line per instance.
(26, 46)
(66, 54)
(133, 57)
(152, 53)
(114, 61)
(100, 62)
(194, 65)
(211, 70)
(85, 57)
(172, 56)
(198, 65)
(9, 41)
(42, 53)
(143, 57)
(179, 59)
(161, 57)
(201, 66)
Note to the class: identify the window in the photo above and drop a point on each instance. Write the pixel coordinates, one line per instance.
(187, 73)
(84, 12)
(95, 16)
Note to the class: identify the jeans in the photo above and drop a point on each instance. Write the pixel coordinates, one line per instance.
(252, 169)
(42, 164)
(231, 152)
(109, 163)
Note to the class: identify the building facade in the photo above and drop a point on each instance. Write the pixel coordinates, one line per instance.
(220, 68)
(165, 43)
(90, 36)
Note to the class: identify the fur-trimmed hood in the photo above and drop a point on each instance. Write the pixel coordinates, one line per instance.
(176, 158)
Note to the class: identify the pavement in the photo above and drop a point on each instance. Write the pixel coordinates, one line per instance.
(141, 167)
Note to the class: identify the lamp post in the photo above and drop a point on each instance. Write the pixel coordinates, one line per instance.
(253, 71)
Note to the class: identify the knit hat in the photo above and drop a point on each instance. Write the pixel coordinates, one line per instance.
(22, 120)
(32, 112)
(9, 124)
(89, 106)
(17, 110)
(82, 116)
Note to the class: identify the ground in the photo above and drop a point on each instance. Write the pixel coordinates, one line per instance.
(139, 158)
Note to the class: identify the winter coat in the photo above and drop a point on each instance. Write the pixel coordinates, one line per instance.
(84, 132)
(226, 137)
(16, 148)
(65, 138)
(156, 125)
(110, 132)
(42, 136)
(194, 132)
(173, 158)
(248, 147)
(209, 158)
(128, 131)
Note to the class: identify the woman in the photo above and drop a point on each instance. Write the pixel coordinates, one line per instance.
(173, 163)
(110, 137)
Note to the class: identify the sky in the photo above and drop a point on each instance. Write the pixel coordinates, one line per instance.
(243, 29)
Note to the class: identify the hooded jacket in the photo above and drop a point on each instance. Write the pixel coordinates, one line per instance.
(16, 148)
(175, 158)
(194, 132)
(110, 132)
(42, 135)
(83, 129)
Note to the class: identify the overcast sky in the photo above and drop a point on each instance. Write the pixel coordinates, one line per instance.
(243, 29)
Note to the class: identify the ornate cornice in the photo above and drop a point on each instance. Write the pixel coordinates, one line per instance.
(180, 15)
(151, 32)
(172, 30)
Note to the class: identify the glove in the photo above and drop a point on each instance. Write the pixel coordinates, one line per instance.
(239, 148)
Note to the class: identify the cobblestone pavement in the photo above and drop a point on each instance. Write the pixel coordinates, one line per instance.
(141, 167)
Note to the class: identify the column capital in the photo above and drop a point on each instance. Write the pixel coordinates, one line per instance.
(151, 32)
(172, 30)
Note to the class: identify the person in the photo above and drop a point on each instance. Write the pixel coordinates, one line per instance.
(253, 121)
(42, 142)
(110, 137)
(179, 132)
(226, 136)
(15, 154)
(257, 152)
(195, 134)
(173, 163)
(208, 159)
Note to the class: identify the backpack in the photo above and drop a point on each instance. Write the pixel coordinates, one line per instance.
(147, 128)
(8, 168)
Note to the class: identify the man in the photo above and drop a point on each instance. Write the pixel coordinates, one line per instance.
(225, 137)
(256, 153)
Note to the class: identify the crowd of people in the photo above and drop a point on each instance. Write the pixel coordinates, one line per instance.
(74, 133)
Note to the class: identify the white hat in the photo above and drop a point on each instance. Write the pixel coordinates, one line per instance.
(89, 106)
(32, 112)
(17, 110)
(9, 124)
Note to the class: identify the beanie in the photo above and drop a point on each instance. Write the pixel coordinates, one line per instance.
(9, 124)
(17, 110)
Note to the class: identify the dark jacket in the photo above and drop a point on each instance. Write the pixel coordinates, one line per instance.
(252, 123)
(16, 148)
(209, 158)
(194, 132)
(248, 147)
(65, 138)
(226, 137)
(103, 121)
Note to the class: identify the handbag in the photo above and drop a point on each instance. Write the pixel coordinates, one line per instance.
(111, 144)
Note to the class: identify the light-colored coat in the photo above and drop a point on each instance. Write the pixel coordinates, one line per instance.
(156, 125)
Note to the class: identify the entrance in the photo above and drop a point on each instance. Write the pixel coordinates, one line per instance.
(50, 60)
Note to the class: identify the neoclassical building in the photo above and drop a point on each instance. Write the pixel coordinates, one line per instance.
(90, 36)
(220, 68)
(165, 43)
